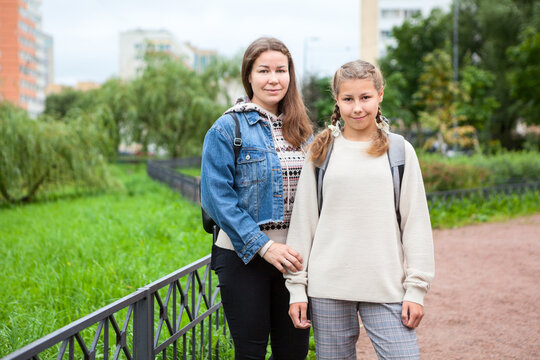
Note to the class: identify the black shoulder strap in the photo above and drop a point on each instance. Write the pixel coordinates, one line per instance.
(237, 142)
(319, 175)
(396, 158)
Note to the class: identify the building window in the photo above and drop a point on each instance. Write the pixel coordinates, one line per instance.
(411, 12)
(386, 34)
(390, 13)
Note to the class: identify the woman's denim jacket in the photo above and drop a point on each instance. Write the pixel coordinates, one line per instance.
(242, 197)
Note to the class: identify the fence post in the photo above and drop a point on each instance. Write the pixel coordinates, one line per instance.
(143, 327)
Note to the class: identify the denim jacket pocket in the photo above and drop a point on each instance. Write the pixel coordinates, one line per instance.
(251, 167)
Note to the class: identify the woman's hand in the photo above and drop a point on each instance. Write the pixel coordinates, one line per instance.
(298, 314)
(411, 314)
(281, 256)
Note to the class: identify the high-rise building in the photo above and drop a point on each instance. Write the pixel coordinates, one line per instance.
(135, 44)
(378, 17)
(25, 55)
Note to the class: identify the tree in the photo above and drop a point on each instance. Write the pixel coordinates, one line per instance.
(477, 84)
(403, 64)
(524, 79)
(175, 105)
(438, 96)
(487, 30)
(43, 153)
(318, 98)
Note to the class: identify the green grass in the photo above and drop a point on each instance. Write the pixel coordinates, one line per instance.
(500, 207)
(195, 172)
(65, 258)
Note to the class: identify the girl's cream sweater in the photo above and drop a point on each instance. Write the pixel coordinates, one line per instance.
(353, 251)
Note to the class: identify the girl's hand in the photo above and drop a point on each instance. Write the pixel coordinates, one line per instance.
(281, 256)
(411, 314)
(298, 314)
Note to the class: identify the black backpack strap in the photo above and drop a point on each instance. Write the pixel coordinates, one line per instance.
(237, 142)
(396, 158)
(319, 176)
(209, 224)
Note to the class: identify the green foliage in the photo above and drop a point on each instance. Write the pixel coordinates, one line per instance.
(480, 103)
(441, 176)
(476, 209)
(318, 98)
(37, 154)
(465, 172)
(437, 96)
(58, 105)
(415, 38)
(524, 78)
(395, 106)
(490, 47)
(175, 105)
(73, 256)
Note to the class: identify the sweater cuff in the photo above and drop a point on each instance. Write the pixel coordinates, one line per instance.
(265, 247)
(298, 293)
(415, 294)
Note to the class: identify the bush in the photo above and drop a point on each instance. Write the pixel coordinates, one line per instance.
(465, 172)
(45, 154)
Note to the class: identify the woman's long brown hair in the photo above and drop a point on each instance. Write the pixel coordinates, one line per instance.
(296, 124)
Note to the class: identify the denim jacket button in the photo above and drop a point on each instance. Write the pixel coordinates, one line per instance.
(248, 157)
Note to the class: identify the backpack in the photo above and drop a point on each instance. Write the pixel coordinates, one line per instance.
(396, 159)
(209, 224)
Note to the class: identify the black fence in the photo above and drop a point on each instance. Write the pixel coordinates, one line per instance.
(177, 317)
(166, 171)
(189, 186)
(487, 192)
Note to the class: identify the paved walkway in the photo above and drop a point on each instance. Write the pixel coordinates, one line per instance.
(485, 300)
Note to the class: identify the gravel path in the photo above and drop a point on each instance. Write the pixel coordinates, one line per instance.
(485, 300)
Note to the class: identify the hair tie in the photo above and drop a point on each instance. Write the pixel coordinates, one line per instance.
(335, 130)
(383, 125)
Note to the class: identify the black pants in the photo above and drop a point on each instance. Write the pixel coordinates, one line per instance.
(256, 304)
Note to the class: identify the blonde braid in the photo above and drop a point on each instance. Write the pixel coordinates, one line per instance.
(380, 143)
(319, 147)
(336, 115)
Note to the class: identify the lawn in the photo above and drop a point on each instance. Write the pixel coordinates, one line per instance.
(64, 258)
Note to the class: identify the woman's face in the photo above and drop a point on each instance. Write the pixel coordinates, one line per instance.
(269, 79)
(358, 102)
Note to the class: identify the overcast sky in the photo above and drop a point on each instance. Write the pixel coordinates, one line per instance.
(86, 32)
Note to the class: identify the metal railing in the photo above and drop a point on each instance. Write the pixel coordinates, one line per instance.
(502, 189)
(178, 314)
(163, 171)
(189, 186)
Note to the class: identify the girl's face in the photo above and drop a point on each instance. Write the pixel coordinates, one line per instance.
(269, 80)
(358, 102)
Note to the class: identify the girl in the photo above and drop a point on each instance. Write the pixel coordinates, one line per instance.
(251, 200)
(354, 251)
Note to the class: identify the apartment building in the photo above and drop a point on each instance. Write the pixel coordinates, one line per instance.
(134, 44)
(25, 55)
(378, 17)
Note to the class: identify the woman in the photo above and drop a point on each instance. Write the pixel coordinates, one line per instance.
(251, 200)
(354, 250)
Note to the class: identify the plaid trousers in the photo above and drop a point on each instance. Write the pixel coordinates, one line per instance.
(336, 329)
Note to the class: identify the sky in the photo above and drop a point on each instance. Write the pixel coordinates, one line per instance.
(321, 34)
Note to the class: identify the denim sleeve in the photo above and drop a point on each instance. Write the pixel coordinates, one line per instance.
(219, 198)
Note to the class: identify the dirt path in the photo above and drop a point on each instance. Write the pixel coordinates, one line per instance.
(485, 300)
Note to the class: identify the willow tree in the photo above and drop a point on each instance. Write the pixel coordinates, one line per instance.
(175, 105)
(47, 154)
